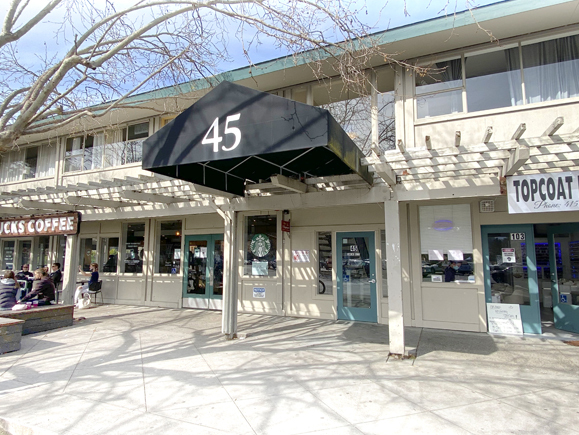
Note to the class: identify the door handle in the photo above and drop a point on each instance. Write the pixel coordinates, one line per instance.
(372, 281)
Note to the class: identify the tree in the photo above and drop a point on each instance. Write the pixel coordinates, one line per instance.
(99, 56)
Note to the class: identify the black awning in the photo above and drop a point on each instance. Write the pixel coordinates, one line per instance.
(236, 134)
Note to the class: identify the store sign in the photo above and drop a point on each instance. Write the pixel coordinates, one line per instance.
(50, 225)
(543, 192)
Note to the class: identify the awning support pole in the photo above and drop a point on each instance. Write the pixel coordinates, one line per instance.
(394, 271)
(70, 271)
(229, 311)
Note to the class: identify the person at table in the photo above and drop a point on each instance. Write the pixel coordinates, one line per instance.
(9, 287)
(25, 273)
(94, 278)
(42, 289)
(56, 274)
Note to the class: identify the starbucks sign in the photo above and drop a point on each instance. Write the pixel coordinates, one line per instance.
(260, 245)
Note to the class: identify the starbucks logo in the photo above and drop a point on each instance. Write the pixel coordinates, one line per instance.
(260, 245)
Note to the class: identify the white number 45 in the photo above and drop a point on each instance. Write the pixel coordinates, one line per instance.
(215, 139)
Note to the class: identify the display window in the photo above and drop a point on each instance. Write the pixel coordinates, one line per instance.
(446, 243)
(260, 246)
(134, 249)
(325, 266)
(169, 247)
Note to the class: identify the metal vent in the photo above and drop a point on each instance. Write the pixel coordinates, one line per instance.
(487, 206)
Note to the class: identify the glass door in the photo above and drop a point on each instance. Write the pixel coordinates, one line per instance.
(203, 267)
(357, 277)
(510, 271)
(564, 261)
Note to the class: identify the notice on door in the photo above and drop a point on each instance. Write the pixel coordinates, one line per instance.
(505, 319)
(509, 255)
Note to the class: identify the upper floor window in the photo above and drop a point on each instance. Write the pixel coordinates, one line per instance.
(85, 153)
(549, 71)
(27, 163)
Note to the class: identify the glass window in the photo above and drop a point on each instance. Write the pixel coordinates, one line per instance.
(493, 80)
(84, 153)
(446, 243)
(109, 254)
(551, 69)
(169, 242)
(31, 162)
(8, 254)
(386, 121)
(354, 116)
(442, 103)
(88, 253)
(325, 281)
(440, 91)
(61, 251)
(41, 251)
(261, 246)
(384, 263)
(134, 235)
(24, 252)
(138, 131)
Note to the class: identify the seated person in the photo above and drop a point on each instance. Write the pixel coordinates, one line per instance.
(83, 289)
(56, 274)
(25, 273)
(8, 289)
(43, 288)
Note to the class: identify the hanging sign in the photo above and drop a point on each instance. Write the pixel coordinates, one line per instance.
(543, 192)
(45, 225)
(285, 226)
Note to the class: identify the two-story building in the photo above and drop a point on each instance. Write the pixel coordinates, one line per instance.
(446, 199)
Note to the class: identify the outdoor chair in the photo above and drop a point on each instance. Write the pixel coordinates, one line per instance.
(95, 289)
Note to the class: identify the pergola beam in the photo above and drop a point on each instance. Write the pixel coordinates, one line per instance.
(107, 203)
(385, 171)
(41, 205)
(517, 159)
(519, 131)
(151, 197)
(289, 183)
(556, 125)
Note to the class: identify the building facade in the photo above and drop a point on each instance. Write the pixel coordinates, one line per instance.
(472, 164)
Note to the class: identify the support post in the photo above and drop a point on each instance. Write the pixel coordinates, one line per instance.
(229, 310)
(394, 270)
(70, 269)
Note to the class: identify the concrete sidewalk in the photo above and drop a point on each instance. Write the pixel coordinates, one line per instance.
(159, 371)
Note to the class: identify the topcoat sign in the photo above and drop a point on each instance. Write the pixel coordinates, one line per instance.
(51, 225)
(543, 192)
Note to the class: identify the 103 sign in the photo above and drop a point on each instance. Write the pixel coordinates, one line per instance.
(215, 139)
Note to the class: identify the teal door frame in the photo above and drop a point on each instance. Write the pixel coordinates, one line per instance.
(530, 314)
(351, 313)
(209, 270)
(566, 316)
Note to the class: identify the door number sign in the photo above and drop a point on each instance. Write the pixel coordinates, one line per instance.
(212, 136)
(518, 236)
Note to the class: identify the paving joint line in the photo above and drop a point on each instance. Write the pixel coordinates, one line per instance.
(79, 359)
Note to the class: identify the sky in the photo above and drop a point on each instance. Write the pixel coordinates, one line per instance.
(381, 15)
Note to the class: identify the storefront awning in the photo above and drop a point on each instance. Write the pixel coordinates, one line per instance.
(236, 135)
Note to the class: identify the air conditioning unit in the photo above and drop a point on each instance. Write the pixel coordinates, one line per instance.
(487, 206)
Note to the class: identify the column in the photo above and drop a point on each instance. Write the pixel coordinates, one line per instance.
(70, 269)
(394, 270)
(230, 262)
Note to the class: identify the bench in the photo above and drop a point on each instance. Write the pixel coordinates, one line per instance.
(43, 318)
(10, 334)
